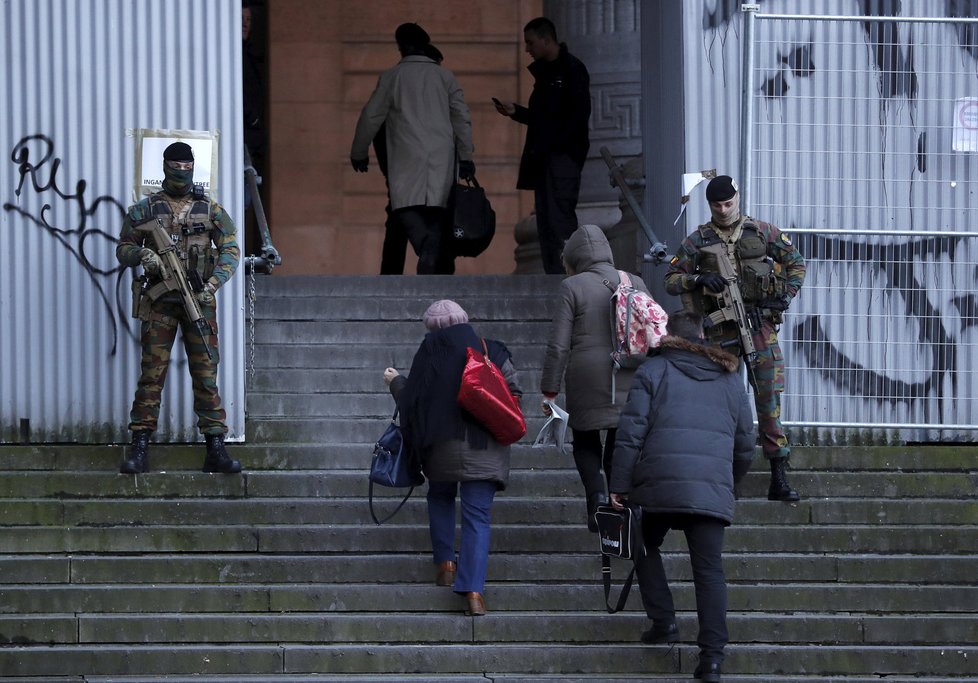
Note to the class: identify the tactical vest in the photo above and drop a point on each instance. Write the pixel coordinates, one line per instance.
(760, 277)
(190, 230)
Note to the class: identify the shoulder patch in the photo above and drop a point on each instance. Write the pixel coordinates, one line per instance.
(786, 239)
(140, 212)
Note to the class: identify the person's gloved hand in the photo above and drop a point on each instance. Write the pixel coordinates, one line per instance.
(151, 262)
(359, 165)
(206, 295)
(778, 304)
(712, 281)
(466, 169)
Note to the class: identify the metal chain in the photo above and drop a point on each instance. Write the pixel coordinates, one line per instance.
(252, 297)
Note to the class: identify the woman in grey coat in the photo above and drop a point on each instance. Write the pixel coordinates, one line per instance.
(579, 352)
(458, 455)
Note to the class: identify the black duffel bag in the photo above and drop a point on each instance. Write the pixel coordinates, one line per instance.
(473, 219)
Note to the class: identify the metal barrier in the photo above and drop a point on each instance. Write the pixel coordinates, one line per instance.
(859, 138)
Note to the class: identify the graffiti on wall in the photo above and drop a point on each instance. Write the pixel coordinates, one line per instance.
(79, 235)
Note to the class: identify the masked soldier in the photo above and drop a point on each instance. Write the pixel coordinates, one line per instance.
(204, 239)
(770, 271)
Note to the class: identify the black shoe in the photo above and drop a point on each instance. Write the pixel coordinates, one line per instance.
(217, 459)
(779, 489)
(138, 456)
(593, 501)
(659, 636)
(708, 671)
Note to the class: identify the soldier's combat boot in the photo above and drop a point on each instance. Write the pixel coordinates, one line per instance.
(137, 461)
(780, 489)
(217, 459)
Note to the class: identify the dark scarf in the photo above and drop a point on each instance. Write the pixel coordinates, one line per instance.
(428, 403)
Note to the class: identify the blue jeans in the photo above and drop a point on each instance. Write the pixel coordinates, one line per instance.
(473, 550)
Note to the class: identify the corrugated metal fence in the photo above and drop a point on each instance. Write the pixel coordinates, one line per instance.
(75, 77)
(860, 139)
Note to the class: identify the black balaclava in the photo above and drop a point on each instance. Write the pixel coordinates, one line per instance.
(175, 182)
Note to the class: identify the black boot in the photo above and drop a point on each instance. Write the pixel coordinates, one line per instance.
(779, 489)
(708, 671)
(593, 501)
(217, 459)
(138, 460)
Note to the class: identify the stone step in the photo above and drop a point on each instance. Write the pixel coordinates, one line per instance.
(548, 511)
(480, 678)
(356, 455)
(523, 483)
(250, 567)
(501, 597)
(365, 537)
(431, 287)
(372, 356)
(350, 381)
(396, 306)
(318, 332)
(573, 659)
(510, 627)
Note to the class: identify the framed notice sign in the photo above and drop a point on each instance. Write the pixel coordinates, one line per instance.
(150, 144)
(965, 137)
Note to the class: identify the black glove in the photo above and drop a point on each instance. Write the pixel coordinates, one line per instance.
(778, 304)
(712, 281)
(359, 165)
(466, 169)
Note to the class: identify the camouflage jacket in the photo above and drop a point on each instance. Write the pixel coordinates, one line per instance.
(218, 232)
(788, 263)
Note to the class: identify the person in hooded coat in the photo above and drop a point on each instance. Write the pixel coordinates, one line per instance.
(579, 354)
(685, 437)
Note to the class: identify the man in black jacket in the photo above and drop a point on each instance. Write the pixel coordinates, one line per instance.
(685, 436)
(556, 136)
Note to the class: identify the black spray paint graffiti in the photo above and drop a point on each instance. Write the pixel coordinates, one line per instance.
(932, 336)
(34, 157)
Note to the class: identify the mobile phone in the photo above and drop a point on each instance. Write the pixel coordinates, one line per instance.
(497, 102)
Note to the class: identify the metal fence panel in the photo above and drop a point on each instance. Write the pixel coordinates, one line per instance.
(75, 76)
(857, 130)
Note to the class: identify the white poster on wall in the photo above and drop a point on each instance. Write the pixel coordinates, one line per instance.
(150, 144)
(965, 137)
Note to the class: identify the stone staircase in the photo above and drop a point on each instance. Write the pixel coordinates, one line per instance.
(278, 574)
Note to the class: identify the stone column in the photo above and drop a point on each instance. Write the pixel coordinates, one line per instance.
(606, 36)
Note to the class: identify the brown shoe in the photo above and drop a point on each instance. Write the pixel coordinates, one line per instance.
(477, 605)
(446, 574)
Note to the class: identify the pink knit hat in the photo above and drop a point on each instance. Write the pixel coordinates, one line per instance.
(444, 313)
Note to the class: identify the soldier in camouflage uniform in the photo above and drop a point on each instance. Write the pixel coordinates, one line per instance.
(770, 272)
(205, 239)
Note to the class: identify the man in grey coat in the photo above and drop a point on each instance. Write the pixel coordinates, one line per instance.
(427, 122)
(685, 436)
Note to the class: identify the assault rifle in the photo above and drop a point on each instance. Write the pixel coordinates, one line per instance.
(173, 278)
(732, 307)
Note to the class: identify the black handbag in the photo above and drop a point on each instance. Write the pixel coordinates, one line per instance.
(620, 535)
(393, 465)
(473, 219)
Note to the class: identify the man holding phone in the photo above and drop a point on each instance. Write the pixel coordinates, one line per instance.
(557, 141)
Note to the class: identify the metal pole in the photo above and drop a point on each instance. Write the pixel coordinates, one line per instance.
(746, 107)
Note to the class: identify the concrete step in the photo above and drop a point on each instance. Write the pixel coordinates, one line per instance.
(396, 306)
(431, 287)
(923, 540)
(569, 510)
(287, 332)
(523, 483)
(583, 567)
(572, 659)
(511, 627)
(352, 455)
(372, 356)
(352, 381)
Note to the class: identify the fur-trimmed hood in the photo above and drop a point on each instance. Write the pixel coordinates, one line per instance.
(727, 361)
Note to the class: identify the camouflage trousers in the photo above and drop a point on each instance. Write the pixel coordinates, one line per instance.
(157, 336)
(768, 386)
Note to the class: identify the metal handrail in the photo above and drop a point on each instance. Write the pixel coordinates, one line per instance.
(268, 256)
